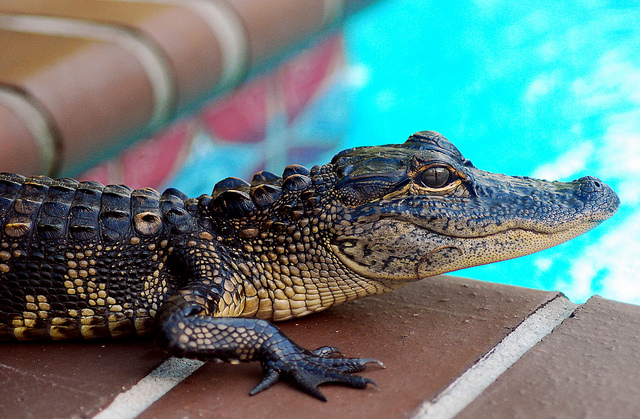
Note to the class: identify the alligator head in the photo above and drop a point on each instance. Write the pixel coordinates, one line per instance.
(377, 217)
(420, 208)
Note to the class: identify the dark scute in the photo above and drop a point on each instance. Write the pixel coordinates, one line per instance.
(229, 183)
(37, 184)
(115, 223)
(31, 196)
(82, 231)
(115, 214)
(172, 204)
(145, 198)
(176, 215)
(147, 192)
(204, 201)
(295, 169)
(90, 187)
(112, 235)
(84, 212)
(264, 195)
(86, 205)
(64, 184)
(116, 204)
(264, 177)
(232, 204)
(173, 194)
(11, 180)
(55, 209)
(117, 191)
(191, 205)
(48, 230)
(60, 197)
(184, 227)
(296, 182)
(87, 198)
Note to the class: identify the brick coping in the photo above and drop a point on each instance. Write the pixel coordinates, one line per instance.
(453, 347)
(447, 404)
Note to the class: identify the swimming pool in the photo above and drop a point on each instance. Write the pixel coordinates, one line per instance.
(545, 90)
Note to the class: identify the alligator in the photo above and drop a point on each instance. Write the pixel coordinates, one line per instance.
(207, 276)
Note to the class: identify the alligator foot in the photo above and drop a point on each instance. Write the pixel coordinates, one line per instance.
(183, 332)
(308, 369)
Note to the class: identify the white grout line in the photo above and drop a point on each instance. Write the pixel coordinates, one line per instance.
(476, 379)
(138, 398)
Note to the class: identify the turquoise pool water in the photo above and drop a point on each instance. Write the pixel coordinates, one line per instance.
(527, 88)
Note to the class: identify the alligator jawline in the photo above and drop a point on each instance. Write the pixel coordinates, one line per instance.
(581, 227)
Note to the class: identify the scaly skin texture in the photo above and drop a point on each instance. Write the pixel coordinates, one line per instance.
(206, 275)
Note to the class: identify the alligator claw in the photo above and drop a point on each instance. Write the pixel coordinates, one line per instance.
(270, 378)
(309, 369)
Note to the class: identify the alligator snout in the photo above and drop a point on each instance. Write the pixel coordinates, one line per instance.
(591, 184)
(592, 189)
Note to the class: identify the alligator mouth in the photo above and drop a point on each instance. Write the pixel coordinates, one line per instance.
(460, 253)
(393, 248)
(544, 229)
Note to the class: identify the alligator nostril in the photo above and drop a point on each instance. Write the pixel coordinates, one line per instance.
(590, 185)
(591, 182)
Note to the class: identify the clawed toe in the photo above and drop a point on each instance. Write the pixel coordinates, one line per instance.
(271, 377)
(308, 381)
(308, 370)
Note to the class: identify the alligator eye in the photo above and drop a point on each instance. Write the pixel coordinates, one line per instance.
(435, 177)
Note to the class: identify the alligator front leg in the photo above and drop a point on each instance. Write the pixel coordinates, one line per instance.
(185, 328)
